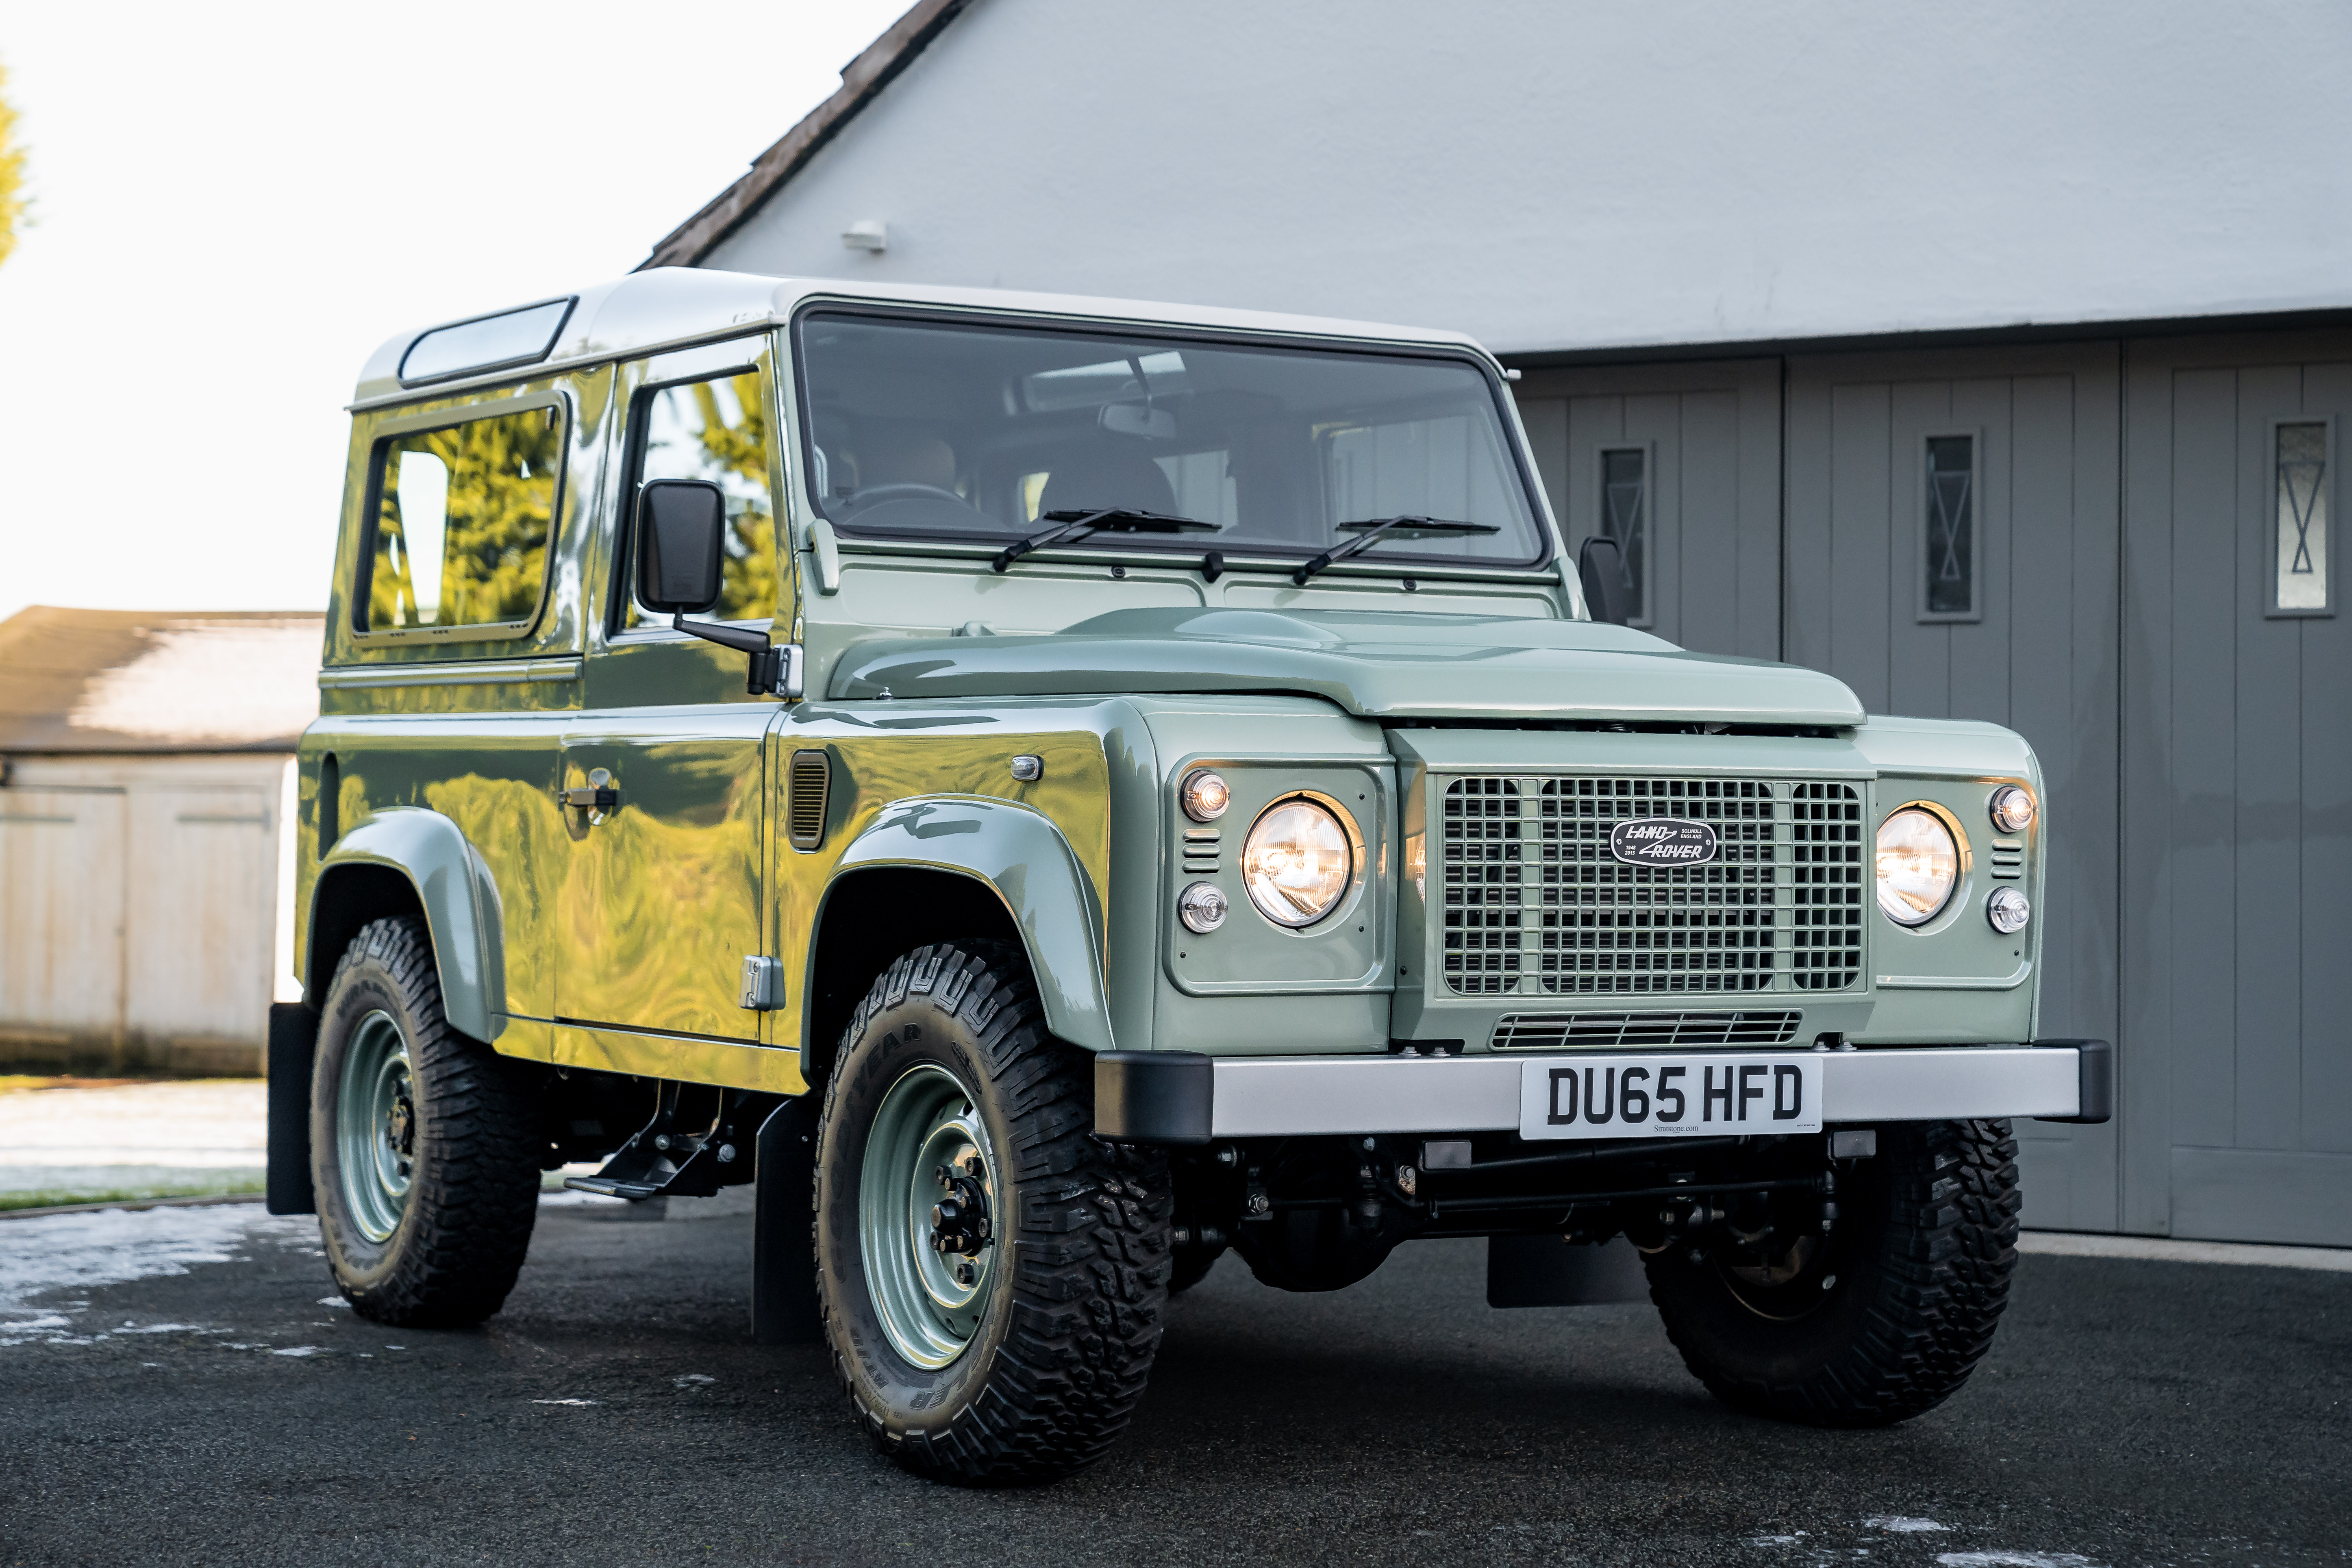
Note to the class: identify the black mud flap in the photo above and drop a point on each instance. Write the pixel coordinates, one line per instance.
(784, 1243)
(293, 1043)
(1549, 1271)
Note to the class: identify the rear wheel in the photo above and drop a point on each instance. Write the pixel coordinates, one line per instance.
(424, 1143)
(1881, 1317)
(991, 1274)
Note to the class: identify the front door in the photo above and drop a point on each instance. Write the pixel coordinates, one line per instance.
(665, 791)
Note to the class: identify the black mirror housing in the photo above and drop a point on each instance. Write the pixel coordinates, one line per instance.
(1601, 571)
(681, 529)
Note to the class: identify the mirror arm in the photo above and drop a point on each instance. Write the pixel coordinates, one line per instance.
(774, 671)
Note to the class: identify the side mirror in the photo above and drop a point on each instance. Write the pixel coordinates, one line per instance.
(1602, 572)
(682, 525)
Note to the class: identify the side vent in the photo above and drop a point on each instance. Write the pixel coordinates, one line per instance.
(812, 780)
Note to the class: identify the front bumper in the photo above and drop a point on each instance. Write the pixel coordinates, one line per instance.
(1180, 1097)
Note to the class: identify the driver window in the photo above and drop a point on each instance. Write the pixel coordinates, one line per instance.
(716, 429)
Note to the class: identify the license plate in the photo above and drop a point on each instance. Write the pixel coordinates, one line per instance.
(1669, 1096)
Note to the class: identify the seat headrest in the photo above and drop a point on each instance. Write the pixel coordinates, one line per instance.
(1106, 473)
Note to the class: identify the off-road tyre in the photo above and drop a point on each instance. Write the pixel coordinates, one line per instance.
(1923, 1251)
(1066, 1331)
(473, 1191)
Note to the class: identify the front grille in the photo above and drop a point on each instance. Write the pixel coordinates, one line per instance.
(1557, 1031)
(1535, 904)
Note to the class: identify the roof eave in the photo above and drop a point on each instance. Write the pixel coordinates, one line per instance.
(861, 80)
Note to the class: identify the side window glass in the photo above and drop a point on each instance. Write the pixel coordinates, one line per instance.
(716, 430)
(462, 516)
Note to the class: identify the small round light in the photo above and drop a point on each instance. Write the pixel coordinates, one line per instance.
(2008, 910)
(1201, 907)
(1918, 865)
(2012, 808)
(1296, 863)
(1205, 796)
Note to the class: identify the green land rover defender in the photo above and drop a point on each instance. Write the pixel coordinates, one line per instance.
(1051, 790)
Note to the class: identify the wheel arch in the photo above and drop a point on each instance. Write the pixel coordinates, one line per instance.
(933, 867)
(409, 860)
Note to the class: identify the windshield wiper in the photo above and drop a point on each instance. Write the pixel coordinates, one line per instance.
(1408, 526)
(1069, 527)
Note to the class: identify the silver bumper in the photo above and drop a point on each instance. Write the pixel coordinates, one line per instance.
(1271, 1096)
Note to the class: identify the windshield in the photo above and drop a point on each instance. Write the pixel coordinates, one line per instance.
(938, 430)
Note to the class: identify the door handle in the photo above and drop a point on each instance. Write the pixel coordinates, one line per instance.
(592, 798)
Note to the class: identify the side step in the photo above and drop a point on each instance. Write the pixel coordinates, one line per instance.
(701, 1139)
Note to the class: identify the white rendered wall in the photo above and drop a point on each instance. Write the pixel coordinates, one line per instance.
(1548, 175)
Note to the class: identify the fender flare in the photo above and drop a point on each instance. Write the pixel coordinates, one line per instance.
(460, 901)
(1021, 856)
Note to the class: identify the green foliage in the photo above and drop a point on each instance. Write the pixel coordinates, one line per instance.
(12, 175)
(692, 439)
(501, 476)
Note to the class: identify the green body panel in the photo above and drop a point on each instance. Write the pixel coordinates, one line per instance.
(618, 944)
(1398, 663)
(460, 899)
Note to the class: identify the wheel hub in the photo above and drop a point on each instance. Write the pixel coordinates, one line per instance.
(926, 1214)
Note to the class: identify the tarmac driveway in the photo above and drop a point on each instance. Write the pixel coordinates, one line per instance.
(217, 1410)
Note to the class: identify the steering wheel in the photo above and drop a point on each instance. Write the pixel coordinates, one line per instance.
(878, 494)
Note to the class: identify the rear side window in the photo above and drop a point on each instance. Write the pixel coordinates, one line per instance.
(462, 520)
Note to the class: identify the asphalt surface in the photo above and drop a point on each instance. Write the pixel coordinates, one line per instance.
(2132, 1412)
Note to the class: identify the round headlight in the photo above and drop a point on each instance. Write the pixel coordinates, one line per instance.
(1202, 907)
(2008, 910)
(1206, 795)
(1918, 865)
(2012, 808)
(1296, 863)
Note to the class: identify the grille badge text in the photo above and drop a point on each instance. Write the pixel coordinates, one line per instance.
(1662, 841)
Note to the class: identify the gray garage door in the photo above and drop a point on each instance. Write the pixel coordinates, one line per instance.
(2237, 961)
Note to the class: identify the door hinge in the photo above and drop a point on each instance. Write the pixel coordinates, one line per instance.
(763, 983)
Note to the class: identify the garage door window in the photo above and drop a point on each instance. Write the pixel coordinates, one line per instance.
(1626, 518)
(2300, 585)
(1951, 590)
(462, 518)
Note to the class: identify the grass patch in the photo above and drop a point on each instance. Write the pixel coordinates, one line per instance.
(51, 1197)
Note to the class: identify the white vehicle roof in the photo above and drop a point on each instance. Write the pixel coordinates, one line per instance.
(667, 307)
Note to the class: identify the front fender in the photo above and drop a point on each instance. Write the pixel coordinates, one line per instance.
(461, 900)
(1023, 856)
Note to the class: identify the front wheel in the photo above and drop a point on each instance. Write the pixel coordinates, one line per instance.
(992, 1275)
(1881, 1317)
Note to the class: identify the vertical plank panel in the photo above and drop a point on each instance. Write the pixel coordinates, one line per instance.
(2200, 769)
(1709, 481)
(1857, 610)
(1979, 652)
(2268, 870)
(2144, 1078)
(61, 883)
(1919, 654)
(1655, 420)
(1759, 514)
(1591, 421)
(1808, 557)
(212, 851)
(2325, 649)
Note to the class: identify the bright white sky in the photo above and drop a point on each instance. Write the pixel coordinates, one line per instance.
(234, 203)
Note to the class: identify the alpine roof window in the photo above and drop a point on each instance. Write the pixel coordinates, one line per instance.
(489, 343)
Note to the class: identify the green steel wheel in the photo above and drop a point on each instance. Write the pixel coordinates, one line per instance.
(925, 1213)
(424, 1143)
(375, 1126)
(991, 1276)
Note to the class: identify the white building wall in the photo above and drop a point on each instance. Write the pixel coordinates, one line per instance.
(1554, 175)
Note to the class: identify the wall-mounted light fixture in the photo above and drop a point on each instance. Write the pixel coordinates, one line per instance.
(867, 233)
